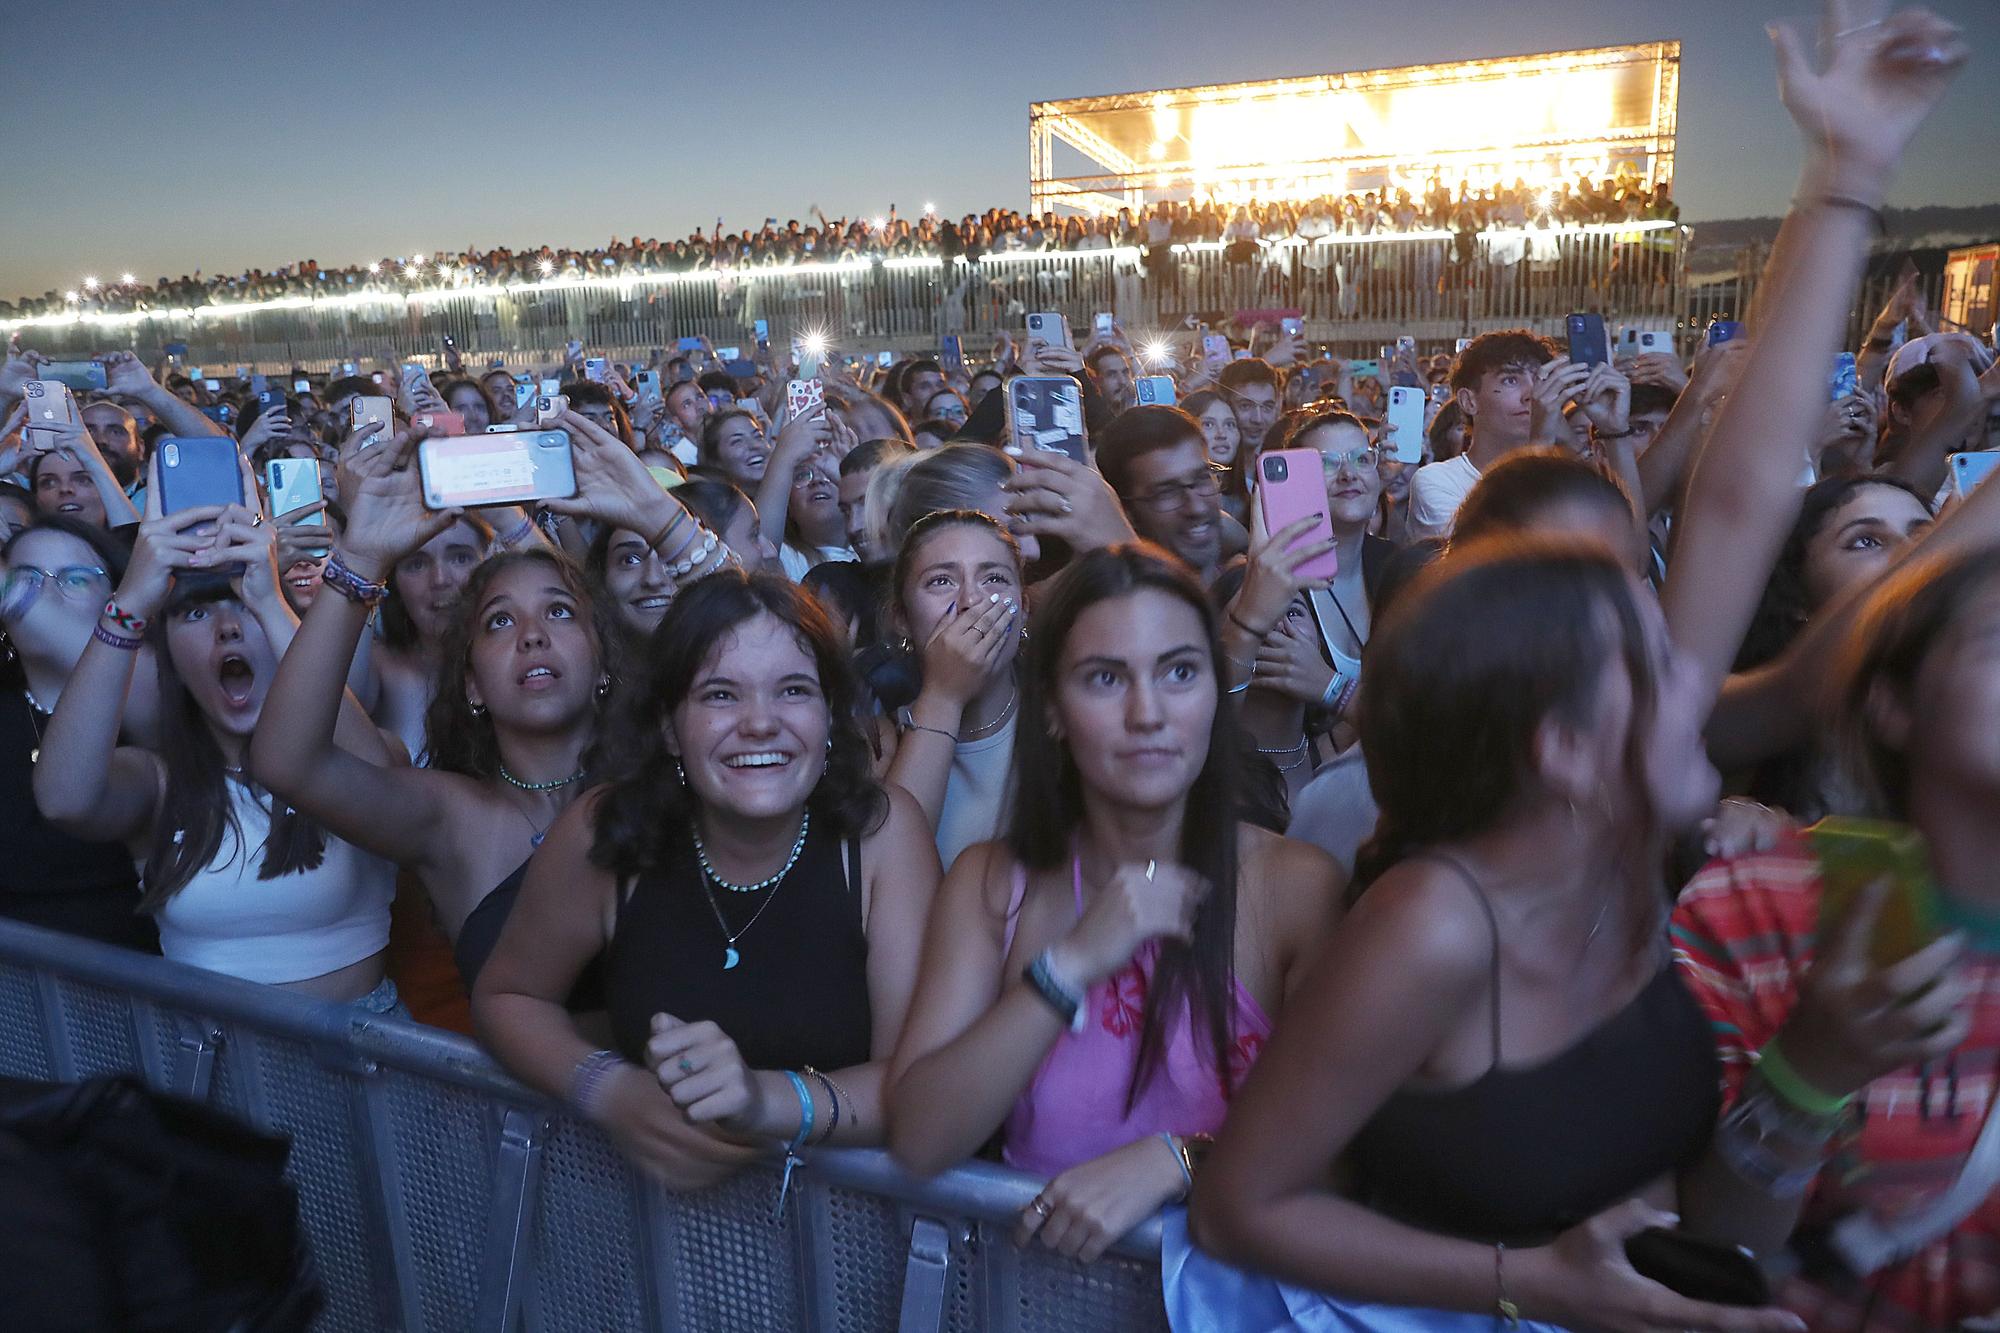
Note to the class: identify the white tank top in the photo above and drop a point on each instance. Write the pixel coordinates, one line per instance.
(287, 929)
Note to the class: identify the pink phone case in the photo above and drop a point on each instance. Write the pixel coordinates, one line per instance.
(1292, 486)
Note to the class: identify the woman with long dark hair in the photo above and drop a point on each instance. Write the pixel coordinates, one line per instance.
(238, 881)
(757, 897)
(526, 664)
(1095, 986)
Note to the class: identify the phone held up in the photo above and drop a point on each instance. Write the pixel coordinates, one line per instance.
(1589, 341)
(1291, 485)
(1046, 412)
(1856, 853)
(508, 468)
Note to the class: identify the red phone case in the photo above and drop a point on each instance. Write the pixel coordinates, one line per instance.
(1290, 486)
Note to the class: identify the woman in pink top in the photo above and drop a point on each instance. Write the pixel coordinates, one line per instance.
(1097, 985)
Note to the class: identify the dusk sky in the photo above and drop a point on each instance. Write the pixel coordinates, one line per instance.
(227, 135)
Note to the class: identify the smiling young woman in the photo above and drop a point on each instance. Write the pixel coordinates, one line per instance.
(757, 897)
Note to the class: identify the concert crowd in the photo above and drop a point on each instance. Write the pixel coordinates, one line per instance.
(1513, 839)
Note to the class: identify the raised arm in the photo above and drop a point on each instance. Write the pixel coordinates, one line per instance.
(71, 438)
(391, 810)
(1857, 116)
(796, 440)
(126, 375)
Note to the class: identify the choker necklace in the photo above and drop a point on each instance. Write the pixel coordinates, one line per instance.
(981, 733)
(798, 845)
(540, 786)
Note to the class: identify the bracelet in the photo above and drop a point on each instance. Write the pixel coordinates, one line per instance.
(1625, 434)
(833, 1097)
(1506, 1308)
(1781, 1078)
(124, 619)
(690, 540)
(520, 533)
(1181, 1161)
(798, 1140)
(1339, 693)
(1041, 979)
(1874, 213)
(337, 576)
(1237, 621)
(935, 731)
(680, 569)
(680, 517)
(103, 635)
(587, 1080)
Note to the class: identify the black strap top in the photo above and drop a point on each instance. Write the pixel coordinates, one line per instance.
(48, 878)
(481, 932)
(798, 992)
(1519, 1155)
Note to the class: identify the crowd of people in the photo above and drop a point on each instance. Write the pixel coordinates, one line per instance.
(1245, 228)
(836, 766)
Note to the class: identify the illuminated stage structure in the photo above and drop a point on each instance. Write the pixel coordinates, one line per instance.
(1542, 118)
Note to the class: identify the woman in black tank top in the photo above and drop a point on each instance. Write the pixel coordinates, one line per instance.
(760, 901)
(1495, 1047)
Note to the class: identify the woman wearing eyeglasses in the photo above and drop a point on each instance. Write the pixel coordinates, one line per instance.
(59, 571)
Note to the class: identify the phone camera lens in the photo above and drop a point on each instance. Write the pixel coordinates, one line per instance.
(1275, 469)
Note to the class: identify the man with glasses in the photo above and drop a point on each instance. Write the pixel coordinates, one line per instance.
(1156, 459)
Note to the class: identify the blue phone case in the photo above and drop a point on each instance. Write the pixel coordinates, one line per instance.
(198, 470)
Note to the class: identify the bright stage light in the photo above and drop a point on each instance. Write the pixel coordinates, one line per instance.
(548, 266)
(71, 297)
(90, 284)
(1157, 353)
(127, 279)
(374, 268)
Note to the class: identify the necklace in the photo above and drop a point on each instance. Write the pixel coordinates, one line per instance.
(708, 870)
(539, 786)
(35, 715)
(1298, 749)
(730, 958)
(538, 831)
(981, 733)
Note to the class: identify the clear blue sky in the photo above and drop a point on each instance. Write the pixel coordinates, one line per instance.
(229, 134)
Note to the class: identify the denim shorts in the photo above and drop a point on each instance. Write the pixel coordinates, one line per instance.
(383, 1000)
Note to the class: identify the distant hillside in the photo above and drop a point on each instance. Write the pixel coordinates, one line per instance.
(1718, 242)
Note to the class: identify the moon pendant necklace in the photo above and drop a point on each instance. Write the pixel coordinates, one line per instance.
(730, 957)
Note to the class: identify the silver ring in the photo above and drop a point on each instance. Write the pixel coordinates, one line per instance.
(1041, 1207)
(685, 1065)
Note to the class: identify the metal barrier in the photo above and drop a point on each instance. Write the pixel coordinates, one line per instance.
(1354, 290)
(441, 1195)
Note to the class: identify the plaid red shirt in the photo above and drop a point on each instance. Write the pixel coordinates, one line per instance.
(1743, 935)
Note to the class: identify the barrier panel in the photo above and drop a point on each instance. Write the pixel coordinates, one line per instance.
(1353, 290)
(441, 1195)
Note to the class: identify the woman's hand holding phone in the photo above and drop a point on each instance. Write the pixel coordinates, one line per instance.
(1271, 578)
(1855, 1021)
(612, 485)
(384, 500)
(1053, 495)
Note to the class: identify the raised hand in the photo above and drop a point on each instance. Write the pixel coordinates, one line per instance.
(383, 497)
(612, 485)
(125, 374)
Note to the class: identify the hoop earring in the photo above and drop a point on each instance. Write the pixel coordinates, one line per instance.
(478, 710)
(680, 774)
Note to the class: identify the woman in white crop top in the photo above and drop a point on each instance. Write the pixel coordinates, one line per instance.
(240, 883)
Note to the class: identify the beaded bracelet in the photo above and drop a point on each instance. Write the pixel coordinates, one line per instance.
(587, 1080)
(124, 619)
(119, 641)
(682, 568)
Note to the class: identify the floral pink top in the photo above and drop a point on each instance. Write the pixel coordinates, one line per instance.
(1073, 1109)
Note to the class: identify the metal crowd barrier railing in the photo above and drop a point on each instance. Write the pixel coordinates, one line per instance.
(441, 1195)
(1354, 291)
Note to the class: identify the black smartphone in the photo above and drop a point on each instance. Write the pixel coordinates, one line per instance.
(1701, 1270)
(1589, 342)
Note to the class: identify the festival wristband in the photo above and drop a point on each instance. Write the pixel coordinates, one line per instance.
(118, 641)
(1791, 1086)
(123, 619)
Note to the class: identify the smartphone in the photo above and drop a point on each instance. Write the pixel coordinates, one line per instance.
(1050, 327)
(1100, 324)
(523, 394)
(302, 386)
(1462, 344)
(1724, 330)
(1291, 485)
(1854, 853)
(1214, 348)
(739, 367)
(270, 399)
(1046, 412)
(1365, 369)
(802, 397)
(349, 368)
(885, 359)
(647, 383)
(729, 354)
(1589, 343)
(200, 470)
(1968, 470)
(213, 386)
(952, 353)
(293, 483)
(573, 349)
(549, 406)
(1406, 414)
(690, 344)
(1293, 327)
(1701, 1270)
(441, 423)
(496, 469)
(1156, 391)
(176, 352)
(49, 403)
(1842, 382)
(762, 329)
(221, 415)
(594, 368)
(82, 376)
(551, 386)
